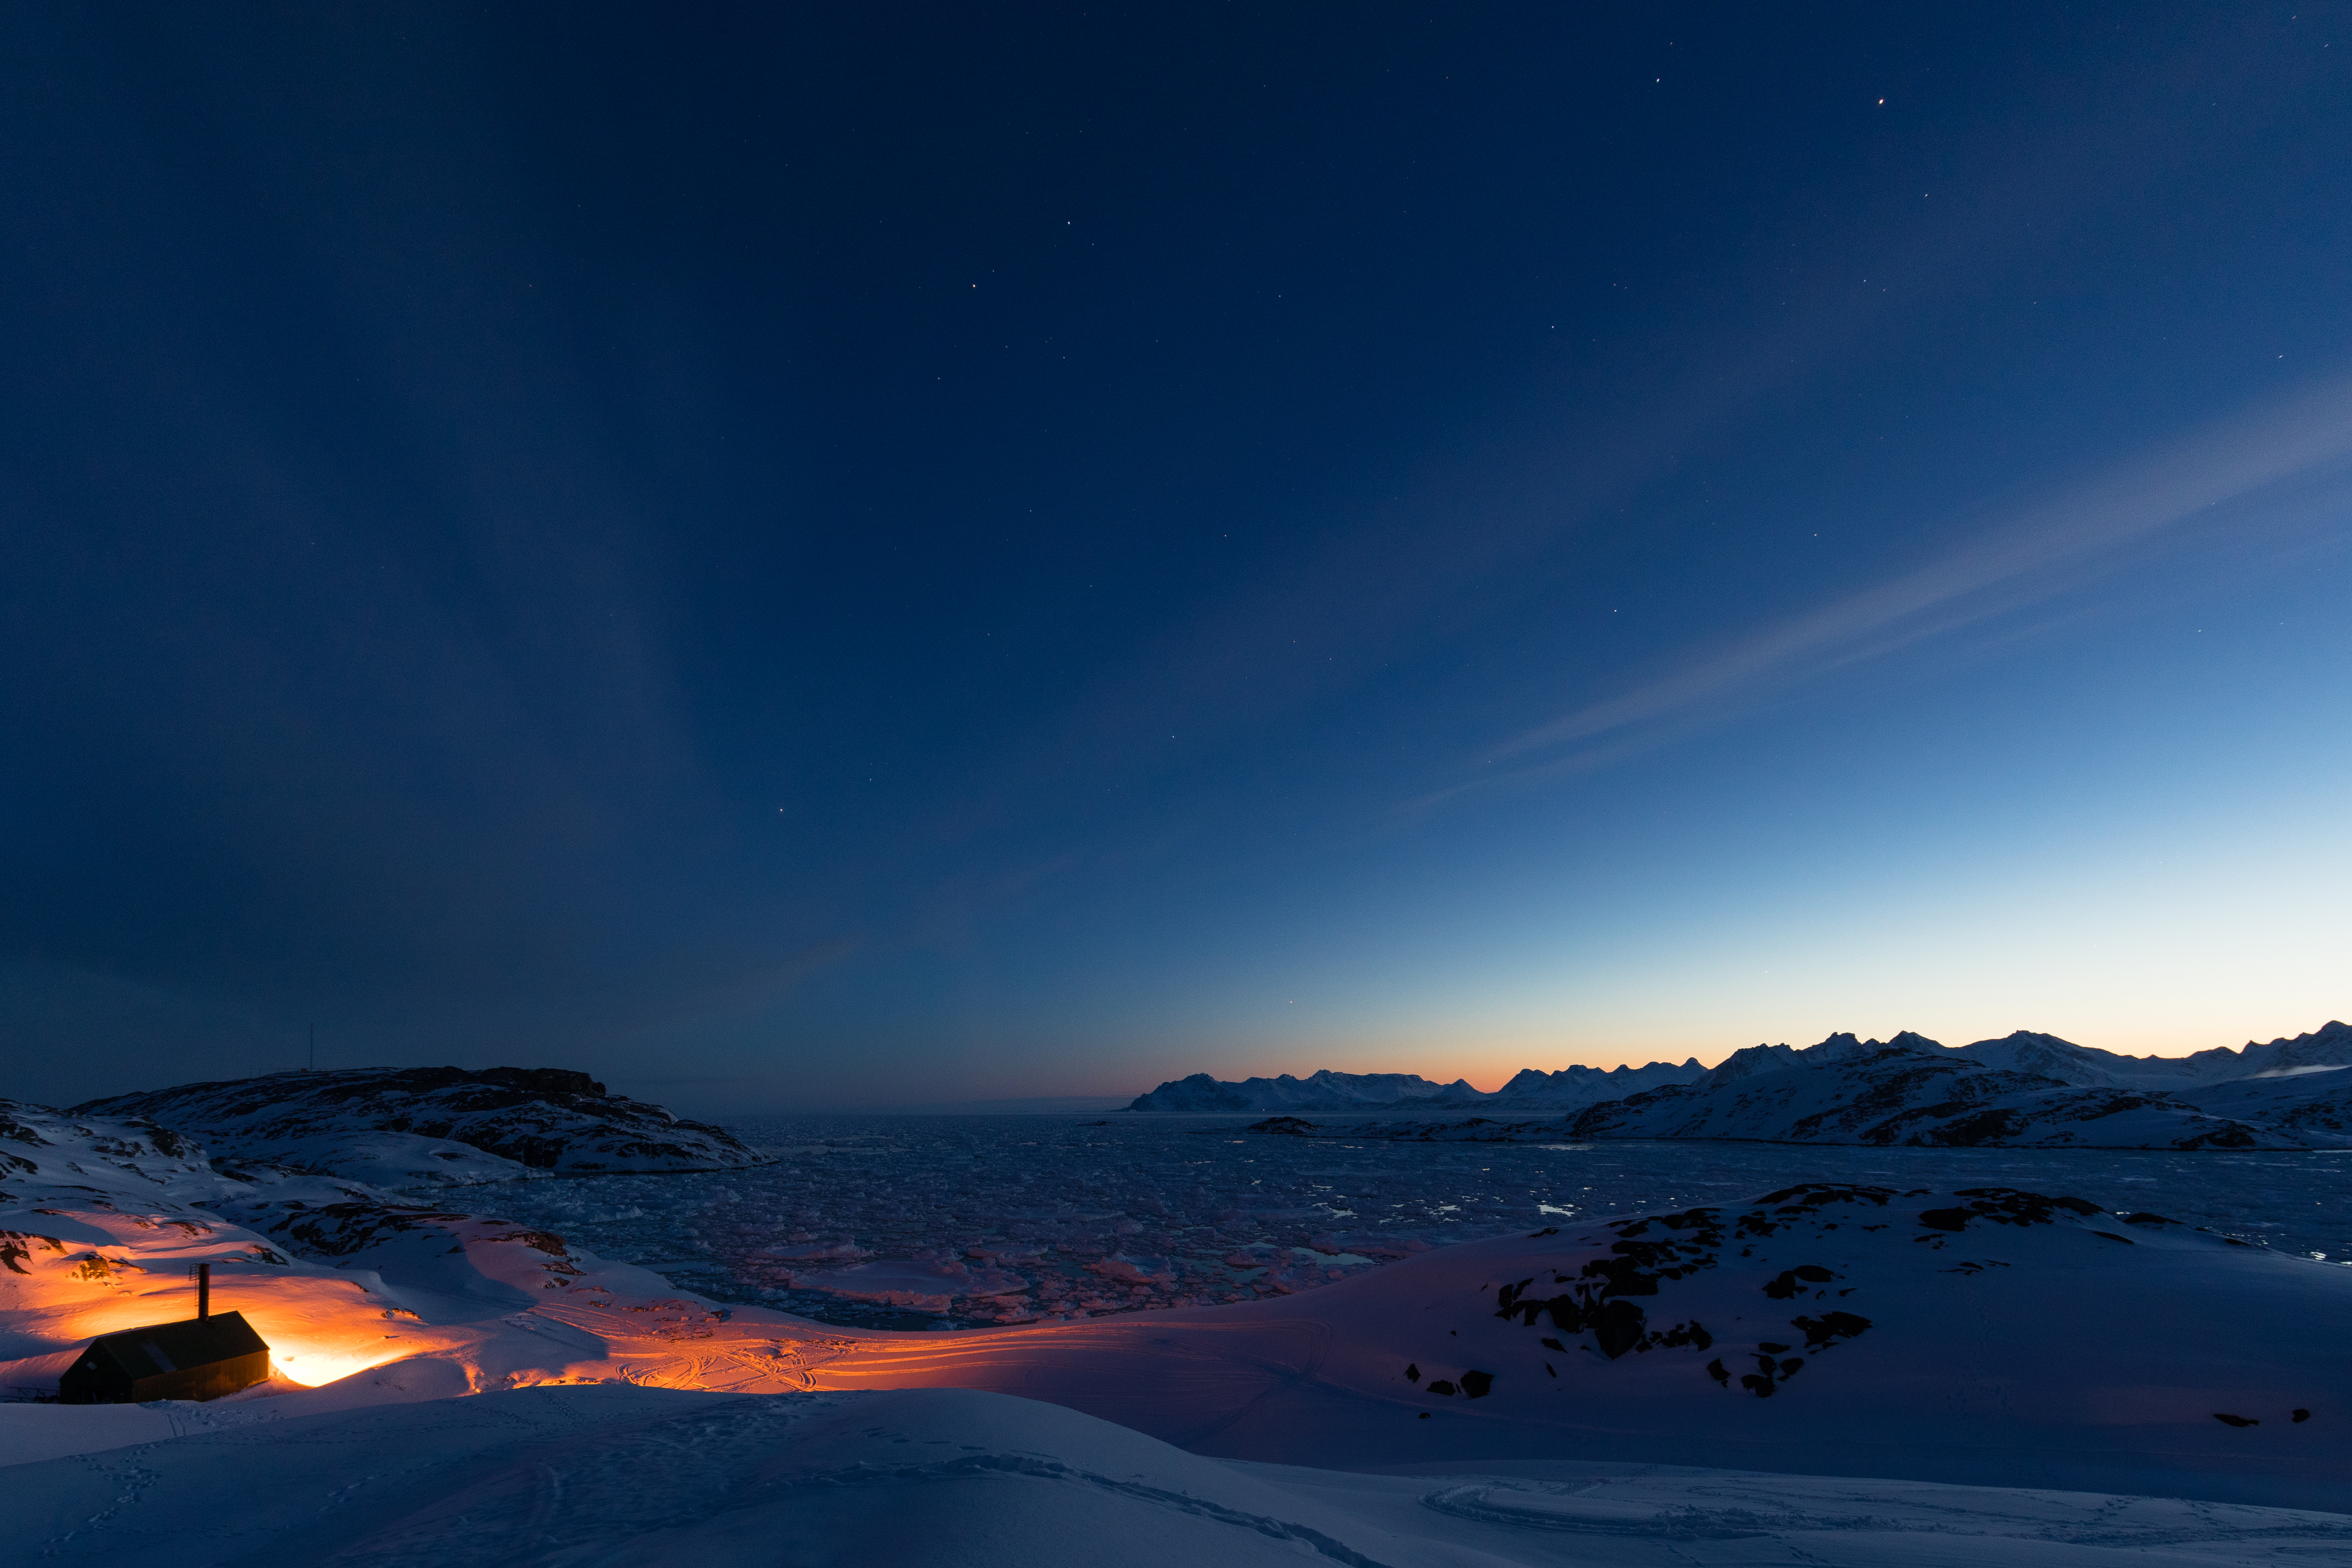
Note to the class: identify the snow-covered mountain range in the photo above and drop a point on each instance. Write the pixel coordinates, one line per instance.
(1532, 1090)
(2289, 1094)
(408, 1127)
(2321, 1050)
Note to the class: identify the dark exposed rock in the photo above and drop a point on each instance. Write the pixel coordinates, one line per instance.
(1477, 1385)
(1693, 1334)
(1793, 1282)
(1822, 1331)
(1293, 1126)
(1618, 1327)
(2013, 1205)
(1807, 1198)
(2005, 1206)
(2236, 1420)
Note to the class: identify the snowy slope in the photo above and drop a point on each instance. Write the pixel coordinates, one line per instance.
(626, 1476)
(433, 1126)
(1531, 1089)
(1982, 1336)
(1910, 1091)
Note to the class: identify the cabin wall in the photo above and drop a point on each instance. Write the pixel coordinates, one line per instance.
(209, 1381)
(110, 1385)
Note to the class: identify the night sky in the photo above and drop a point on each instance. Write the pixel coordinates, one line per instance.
(856, 556)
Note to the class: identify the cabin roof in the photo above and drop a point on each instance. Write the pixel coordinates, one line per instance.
(159, 1348)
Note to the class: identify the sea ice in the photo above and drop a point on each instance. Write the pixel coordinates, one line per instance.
(1094, 1217)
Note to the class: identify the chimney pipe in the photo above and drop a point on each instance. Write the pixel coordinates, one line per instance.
(204, 1289)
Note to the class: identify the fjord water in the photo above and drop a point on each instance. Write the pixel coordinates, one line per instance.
(1101, 1214)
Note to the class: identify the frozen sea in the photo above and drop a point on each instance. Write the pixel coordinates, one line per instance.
(952, 1221)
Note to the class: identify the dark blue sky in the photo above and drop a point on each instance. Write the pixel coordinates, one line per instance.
(861, 556)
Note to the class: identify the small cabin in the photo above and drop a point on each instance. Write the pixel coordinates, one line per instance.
(202, 1358)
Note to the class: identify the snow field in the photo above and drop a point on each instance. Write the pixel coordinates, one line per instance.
(623, 1476)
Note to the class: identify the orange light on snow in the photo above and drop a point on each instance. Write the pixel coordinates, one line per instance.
(312, 1364)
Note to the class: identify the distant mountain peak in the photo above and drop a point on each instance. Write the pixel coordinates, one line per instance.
(1531, 1090)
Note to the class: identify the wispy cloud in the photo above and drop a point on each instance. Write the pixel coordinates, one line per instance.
(2034, 554)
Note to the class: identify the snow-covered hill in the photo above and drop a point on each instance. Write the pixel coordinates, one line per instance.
(1912, 1091)
(1530, 1090)
(432, 1126)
